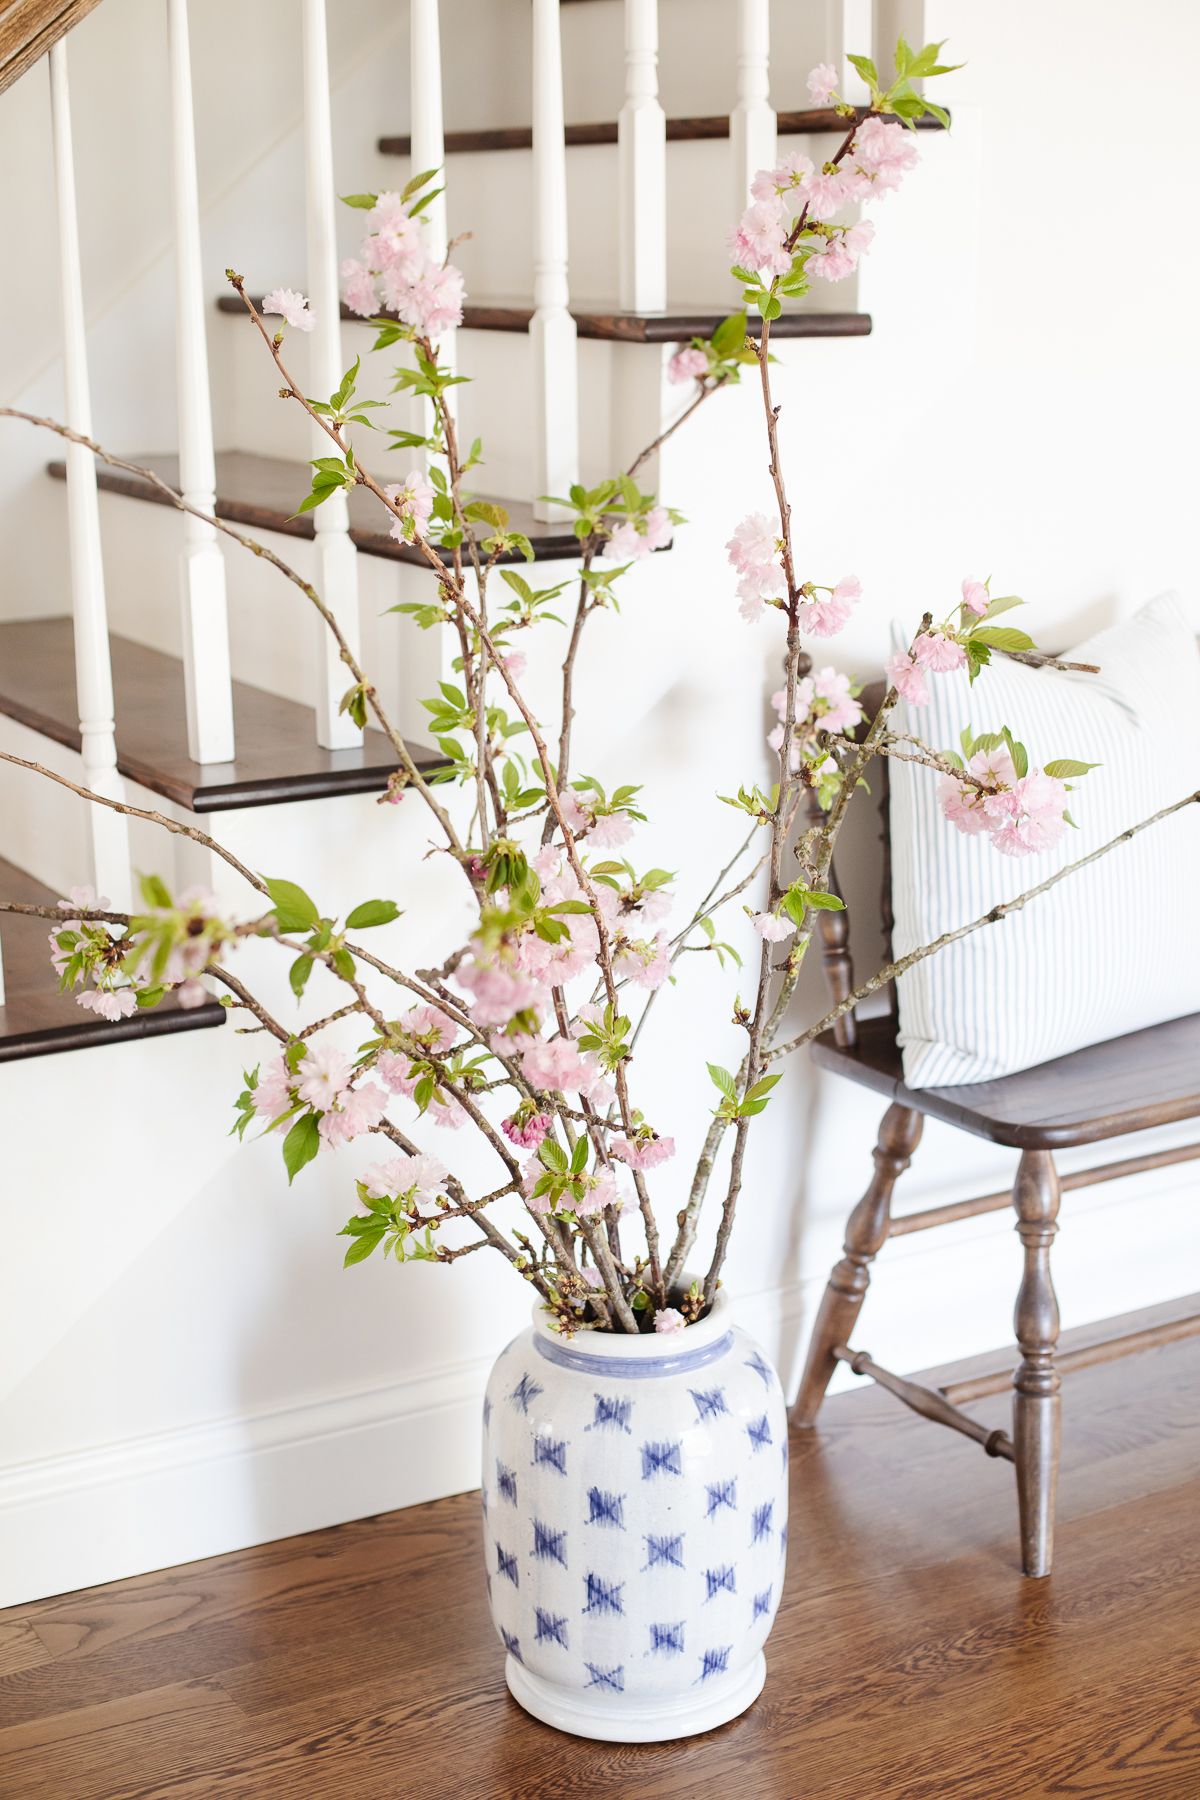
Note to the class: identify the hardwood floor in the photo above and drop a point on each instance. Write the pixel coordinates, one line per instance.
(910, 1662)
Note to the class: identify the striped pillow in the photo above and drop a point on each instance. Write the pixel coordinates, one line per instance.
(1113, 948)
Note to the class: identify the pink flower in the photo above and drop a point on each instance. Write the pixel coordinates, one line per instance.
(109, 1003)
(514, 664)
(601, 1192)
(292, 306)
(1035, 820)
(402, 1174)
(938, 652)
(324, 1074)
(528, 1132)
(824, 614)
(772, 928)
(357, 1110)
(85, 899)
(556, 1065)
(882, 152)
(825, 194)
(358, 288)
(646, 1151)
(272, 1096)
(908, 678)
(825, 698)
(658, 528)
(667, 1319)
(433, 302)
(821, 83)
(430, 1026)
(499, 991)
(962, 806)
(834, 263)
(646, 965)
(757, 240)
(975, 596)
(688, 364)
(414, 496)
(191, 994)
(625, 543)
(754, 545)
(788, 173)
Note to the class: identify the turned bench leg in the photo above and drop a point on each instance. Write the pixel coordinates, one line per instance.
(866, 1232)
(1036, 1402)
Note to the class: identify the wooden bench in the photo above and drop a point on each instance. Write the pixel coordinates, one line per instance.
(1110, 1090)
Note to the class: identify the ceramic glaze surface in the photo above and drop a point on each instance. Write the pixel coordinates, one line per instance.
(635, 1511)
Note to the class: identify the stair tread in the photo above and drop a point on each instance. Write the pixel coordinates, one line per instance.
(36, 1018)
(675, 325)
(278, 758)
(807, 121)
(263, 492)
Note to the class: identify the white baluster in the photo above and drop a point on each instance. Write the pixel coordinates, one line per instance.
(852, 30)
(642, 166)
(752, 121)
(336, 576)
(428, 142)
(202, 568)
(552, 329)
(108, 836)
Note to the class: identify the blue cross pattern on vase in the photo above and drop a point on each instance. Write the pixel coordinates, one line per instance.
(637, 1519)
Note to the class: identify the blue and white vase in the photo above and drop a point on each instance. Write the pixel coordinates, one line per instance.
(635, 1521)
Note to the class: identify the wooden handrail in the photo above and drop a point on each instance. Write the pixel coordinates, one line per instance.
(29, 28)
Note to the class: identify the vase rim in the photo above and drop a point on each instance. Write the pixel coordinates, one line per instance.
(650, 1346)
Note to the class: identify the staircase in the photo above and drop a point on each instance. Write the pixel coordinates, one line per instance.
(138, 653)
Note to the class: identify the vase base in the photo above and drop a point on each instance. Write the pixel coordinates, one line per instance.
(630, 1721)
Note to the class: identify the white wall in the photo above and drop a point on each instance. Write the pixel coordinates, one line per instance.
(185, 1366)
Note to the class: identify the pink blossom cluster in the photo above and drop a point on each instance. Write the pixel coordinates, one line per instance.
(414, 496)
(401, 1074)
(1022, 814)
(114, 995)
(645, 962)
(418, 1174)
(933, 652)
(754, 551)
(644, 1150)
(395, 269)
(773, 928)
(323, 1082)
(823, 702)
(688, 364)
(633, 538)
(292, 307)
(828, 609)
(527, 1127)
(605, 831)
(599, 1191)
(876, 162)
(668, 1320)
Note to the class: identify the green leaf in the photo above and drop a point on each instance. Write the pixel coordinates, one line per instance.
(362, 1243)
(551, 1155)
(299, 973)
(154, 891)
(1004, 604)
(342, 964)
(363, 201)
(730, 335)
(300, 1145)
(579, 1156)
(723, 1080)
(825, 902)
(372, 912)
(1002, 637)
(294, 910)
(866, 68)
(416, 183)
(1063, 768)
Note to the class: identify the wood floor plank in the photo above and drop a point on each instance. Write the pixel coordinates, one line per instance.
(911, 1661)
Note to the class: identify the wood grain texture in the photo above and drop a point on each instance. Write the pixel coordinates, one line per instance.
(607, 321)
(359, 1663)
(37, 1020)
(29, 28)
(807, 121)
(278, 757)
(263, 492)
(1132, 1083)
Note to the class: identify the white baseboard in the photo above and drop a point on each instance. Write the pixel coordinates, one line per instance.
(122, 1509)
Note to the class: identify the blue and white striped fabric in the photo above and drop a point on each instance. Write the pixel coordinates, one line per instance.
(1115, 947)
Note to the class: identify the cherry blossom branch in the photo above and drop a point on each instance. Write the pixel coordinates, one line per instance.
(994, 914)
